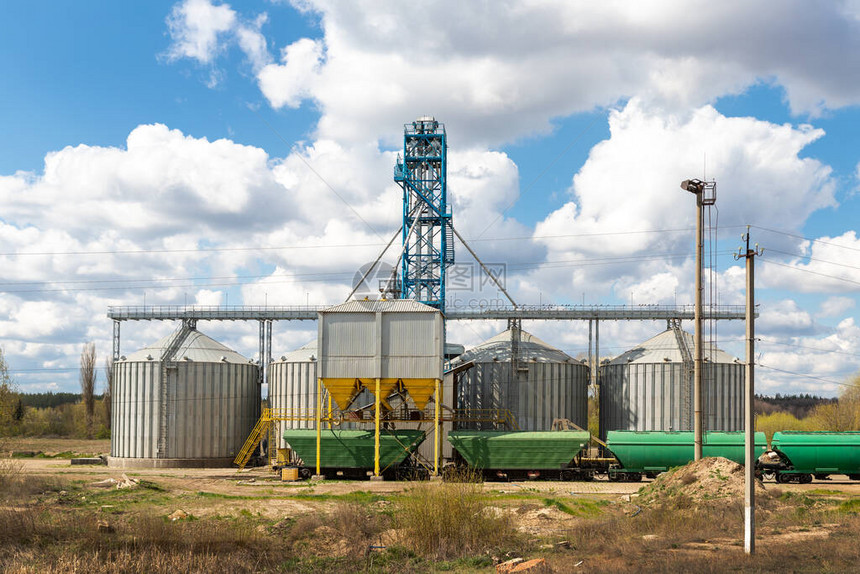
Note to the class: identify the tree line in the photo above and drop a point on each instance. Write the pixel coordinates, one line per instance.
(78, 415)
(88, 415)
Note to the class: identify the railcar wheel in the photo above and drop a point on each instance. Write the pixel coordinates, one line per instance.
(783, 478)
(854, 476)
(805, 478)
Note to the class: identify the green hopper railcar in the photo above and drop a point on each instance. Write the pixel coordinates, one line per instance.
(350, 453)
(799, 456)
(524, 454)
(651, 452)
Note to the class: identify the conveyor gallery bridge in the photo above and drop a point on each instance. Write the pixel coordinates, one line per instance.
(265, 315)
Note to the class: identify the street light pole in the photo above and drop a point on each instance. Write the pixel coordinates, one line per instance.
(700, 189)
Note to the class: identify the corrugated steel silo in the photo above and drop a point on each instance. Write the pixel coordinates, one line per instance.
(186, 401)
(293, 388)
(542, 384)
(650, 388)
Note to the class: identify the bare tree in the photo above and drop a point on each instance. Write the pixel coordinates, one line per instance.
(7, 395)
(108, 392)
(88, 383)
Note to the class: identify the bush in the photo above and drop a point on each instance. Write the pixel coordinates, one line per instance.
(452, 520)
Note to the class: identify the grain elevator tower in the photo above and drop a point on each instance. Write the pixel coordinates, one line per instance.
(428, 239)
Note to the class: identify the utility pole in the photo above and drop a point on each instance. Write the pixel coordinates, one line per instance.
(749, 397)
(706, 194)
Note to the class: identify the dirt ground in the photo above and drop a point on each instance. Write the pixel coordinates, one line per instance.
(548, 512)
(224, 491)
(230, 482)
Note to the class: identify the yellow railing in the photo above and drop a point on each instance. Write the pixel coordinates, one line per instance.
(260, 430)
(265, 426)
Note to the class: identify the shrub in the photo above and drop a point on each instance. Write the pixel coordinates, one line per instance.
(452, 520)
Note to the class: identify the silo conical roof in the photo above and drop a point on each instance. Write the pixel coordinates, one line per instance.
(498, 348)
(664, 348)
(195, 347)
(305, 353)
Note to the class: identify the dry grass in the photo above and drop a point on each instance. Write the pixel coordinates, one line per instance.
(35, 539)
(452, 520)
(453, 526)
(794, 534)
(52, 446)
(15, 485)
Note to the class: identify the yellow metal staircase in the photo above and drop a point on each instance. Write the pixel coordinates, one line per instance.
(261, 429)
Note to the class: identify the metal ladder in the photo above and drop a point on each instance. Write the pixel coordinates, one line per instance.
(689, 368)
(261, 429)
(449, 244)
(167, 363)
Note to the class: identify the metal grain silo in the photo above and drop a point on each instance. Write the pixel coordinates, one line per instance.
(186, 401)
(518, 372)
(293, 388)
(650, 387)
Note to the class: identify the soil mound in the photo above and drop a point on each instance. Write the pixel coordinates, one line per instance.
(700, 481)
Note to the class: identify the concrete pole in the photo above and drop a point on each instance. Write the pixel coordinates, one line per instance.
(697, 343)
(749, 416)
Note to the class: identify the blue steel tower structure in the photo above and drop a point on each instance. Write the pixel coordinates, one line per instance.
(428, 239)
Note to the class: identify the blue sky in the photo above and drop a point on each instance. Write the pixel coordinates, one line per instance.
(163, 151)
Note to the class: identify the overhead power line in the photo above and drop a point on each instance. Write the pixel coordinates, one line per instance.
(821, 241)
(792, 267)
(234, 280)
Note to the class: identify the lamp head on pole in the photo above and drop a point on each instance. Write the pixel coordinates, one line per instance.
(706, 191)
(693, 185)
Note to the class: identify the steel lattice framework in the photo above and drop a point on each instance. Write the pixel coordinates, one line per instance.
(428, 242)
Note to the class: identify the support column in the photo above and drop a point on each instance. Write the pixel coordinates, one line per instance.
(268, 354)
(597, 351)
(437, 439)
(261, 374)
(378, 404)
(319, 424)
(116, 354)
(591, 372)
